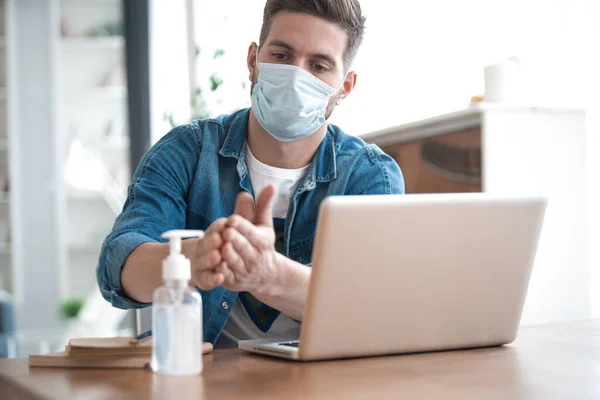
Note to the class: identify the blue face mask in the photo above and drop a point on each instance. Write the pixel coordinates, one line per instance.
(289, 102)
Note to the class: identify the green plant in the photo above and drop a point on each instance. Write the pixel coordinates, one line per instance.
(70, 308)
(197, 100)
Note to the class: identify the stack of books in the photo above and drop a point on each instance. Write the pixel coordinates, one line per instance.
(117, 352)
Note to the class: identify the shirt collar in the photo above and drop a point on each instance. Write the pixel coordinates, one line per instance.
(236, 135)
(322, 168)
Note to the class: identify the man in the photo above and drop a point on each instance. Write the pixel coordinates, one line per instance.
(253, 265)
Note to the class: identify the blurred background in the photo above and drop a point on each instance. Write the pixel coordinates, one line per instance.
(467, 95)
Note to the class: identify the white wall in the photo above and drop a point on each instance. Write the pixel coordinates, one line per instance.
(424, 58)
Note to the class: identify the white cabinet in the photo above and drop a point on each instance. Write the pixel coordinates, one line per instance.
(512, 149)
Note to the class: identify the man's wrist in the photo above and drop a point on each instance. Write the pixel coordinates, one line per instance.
(188, 248)
(274, 285)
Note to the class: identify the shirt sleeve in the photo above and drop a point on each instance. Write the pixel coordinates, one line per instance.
(376, 173)
(156, 202)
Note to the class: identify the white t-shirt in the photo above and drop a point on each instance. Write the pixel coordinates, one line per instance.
(240, 326)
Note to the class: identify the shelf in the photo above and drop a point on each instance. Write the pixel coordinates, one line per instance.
(467, 118)
(92, 42)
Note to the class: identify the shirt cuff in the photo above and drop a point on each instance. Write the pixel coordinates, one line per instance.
(117, 252)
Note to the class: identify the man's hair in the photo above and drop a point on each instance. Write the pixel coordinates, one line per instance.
(345, 13)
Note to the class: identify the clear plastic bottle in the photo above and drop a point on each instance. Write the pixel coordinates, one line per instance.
(177, 315)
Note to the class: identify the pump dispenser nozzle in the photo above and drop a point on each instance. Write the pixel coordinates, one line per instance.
(176, 266)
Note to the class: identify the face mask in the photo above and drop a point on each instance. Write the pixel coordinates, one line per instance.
(289, 102)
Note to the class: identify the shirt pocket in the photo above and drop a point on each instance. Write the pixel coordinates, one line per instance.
(301, 250)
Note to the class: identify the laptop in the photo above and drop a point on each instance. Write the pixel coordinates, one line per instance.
(414, 273)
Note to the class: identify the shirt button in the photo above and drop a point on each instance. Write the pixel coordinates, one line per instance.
(224, 305)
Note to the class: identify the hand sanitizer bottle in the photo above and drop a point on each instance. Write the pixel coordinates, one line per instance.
(177, 314)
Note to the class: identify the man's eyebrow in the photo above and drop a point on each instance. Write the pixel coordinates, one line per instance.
(289, 47)
(280, 43)
(325, 57)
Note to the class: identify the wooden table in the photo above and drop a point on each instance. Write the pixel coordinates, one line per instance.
(557, 361)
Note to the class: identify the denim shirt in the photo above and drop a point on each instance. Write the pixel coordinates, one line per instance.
(192, 176)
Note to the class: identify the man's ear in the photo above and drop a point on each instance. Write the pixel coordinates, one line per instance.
(251, 59)
(347, 87)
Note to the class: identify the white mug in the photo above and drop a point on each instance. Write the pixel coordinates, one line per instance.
(503, 81)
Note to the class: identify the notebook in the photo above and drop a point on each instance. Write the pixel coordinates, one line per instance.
(101, 353)
(107, 346)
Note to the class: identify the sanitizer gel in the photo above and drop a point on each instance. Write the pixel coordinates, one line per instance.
(177, 314)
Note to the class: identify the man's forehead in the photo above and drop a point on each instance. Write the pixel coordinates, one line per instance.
(308, 34)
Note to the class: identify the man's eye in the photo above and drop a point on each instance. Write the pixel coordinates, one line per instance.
(319, 68)
(279, 56)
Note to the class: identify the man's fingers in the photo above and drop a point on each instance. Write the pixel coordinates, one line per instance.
(244, 205)
(208, 260)
(253, 234)
(208, 280)
(217, 226)
(210, 242)
(264, 207)
(233, 259)
(242, 246)
(212, 237)
(229, 276)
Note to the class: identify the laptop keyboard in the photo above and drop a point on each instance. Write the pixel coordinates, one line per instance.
(290, 344)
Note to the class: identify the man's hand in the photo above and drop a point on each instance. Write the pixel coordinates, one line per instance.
(208, 252)
(251, 263)
(208, 257)
(248, 250)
